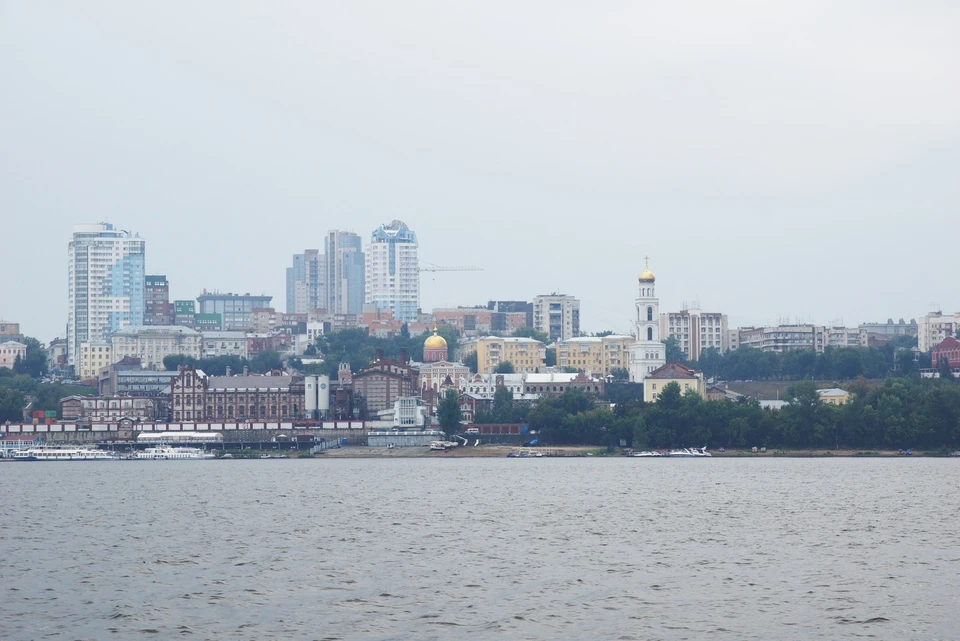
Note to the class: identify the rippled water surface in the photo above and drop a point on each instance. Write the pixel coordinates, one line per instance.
(481, 548)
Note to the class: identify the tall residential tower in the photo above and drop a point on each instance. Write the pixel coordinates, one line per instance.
(105, 290)
(345, 272)
(393, 270)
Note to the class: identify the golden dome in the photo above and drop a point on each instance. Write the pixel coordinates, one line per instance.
(647, 276)
(435, 342)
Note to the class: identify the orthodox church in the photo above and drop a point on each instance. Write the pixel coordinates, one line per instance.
(648, 353)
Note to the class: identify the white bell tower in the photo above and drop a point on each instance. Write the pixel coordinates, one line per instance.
(648, 353)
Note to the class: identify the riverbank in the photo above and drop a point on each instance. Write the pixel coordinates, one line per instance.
(497, 451)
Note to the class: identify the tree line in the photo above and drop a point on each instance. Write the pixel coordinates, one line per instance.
(261, 363)
(902, 413)
(895, 358)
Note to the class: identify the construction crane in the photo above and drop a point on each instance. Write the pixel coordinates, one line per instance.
(437, 268)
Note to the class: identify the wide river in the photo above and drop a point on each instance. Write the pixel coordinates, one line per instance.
(481, 549)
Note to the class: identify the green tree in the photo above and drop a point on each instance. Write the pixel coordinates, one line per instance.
(34, 362)
(620, 374)
(673, 351)
(470, 360)
(12, 403)
(265, 361)
(448, 412)
(943, 369)
(551, 358)
(506, 367)
(529, 332)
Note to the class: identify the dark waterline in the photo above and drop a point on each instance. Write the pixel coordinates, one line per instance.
(481, 548)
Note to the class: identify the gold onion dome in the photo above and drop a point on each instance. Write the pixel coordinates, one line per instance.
(647, 276)
(435, 342)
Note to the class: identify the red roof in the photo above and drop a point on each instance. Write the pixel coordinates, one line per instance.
(673, 370)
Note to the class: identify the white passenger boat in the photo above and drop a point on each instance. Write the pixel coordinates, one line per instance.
(170, 453)
(64, 454)
(647, 454)
(689, 452)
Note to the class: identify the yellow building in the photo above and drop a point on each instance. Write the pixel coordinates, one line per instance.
(595, 355)
(525, 354)
(93, 357)
(685, 377)
(834, 396)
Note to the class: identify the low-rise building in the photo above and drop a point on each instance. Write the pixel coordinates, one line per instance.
(685, 377)
(525, 354)
(196, 396)
(151, 344)
(216, 344)
(10, 351)
(558, 383)
(834, 396)
(595, 355)
(948, 348)
(107, 409)
(880, 333)
(382, 382)
(136, 382)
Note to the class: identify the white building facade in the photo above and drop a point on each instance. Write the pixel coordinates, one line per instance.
(105, 284)
(152, 343)
(934, 327)
(557, 316)
(648, 353)
(215, 344)
(696, 330)
(392, 279)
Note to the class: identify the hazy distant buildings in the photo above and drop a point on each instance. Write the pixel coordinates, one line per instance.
(345, 273)
(234, 309)
(306, 282)
(393, 270)
(696, 330)
(157, 309)
(151, 344)
(105, 290)
(934, 327)
(557, 316)
(785, 338)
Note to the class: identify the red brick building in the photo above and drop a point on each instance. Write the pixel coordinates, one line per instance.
(948, 348)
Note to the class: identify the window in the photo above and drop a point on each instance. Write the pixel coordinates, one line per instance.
(649, 333)
(650, 313)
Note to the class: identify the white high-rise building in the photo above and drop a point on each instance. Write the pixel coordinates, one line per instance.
(393, 271)
(557, 316)
(696, 331)
(105, 290)
(648, 353)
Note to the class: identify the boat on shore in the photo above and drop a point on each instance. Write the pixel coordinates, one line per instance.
(689, 452)
(64, 454)
(164, 453)
(646, 453)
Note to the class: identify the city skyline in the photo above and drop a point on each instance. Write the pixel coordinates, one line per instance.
(783, 153)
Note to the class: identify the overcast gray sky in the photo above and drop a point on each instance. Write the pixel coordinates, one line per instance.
(775, 160)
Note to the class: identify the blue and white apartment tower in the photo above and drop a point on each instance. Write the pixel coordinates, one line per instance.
(105, 272)
(393, 271)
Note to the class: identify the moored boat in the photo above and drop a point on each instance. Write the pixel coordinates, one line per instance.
(164, 453)
(64, 454)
